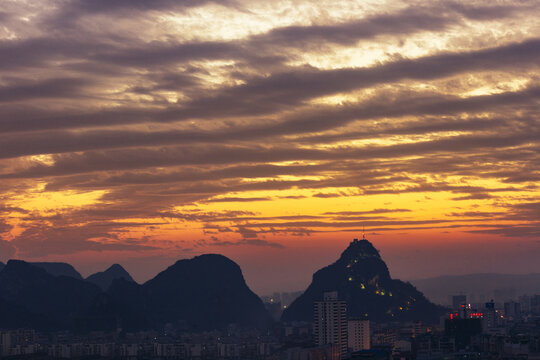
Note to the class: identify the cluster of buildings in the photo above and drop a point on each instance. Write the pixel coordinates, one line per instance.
(509, 330)
(482, 331)
(331, 326)
(233, 344)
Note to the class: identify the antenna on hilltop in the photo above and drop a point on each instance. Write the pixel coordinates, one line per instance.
(363, 232)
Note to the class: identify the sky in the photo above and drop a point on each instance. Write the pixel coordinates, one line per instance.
(273, 132)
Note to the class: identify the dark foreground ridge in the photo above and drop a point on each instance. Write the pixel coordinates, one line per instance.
(204, 293)
(104, 279)
(41, 300)
(361, 278)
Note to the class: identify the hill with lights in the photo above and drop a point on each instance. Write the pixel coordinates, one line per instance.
(362, 279)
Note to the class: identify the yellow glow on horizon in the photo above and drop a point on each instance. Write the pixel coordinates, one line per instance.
(39, 199)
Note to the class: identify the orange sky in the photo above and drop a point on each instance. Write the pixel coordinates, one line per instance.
(271, 132)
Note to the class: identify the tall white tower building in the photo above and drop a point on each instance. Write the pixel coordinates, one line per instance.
(330, 322)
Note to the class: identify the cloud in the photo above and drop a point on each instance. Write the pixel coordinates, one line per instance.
(50, 88)
(327, 195)
(374, 211)
(237, 199)
(252, 242)
(5, 227)
(40, 239)
(232, 119)
(112, 5)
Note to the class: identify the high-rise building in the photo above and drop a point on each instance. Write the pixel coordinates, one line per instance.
(330, 322)
(535, 304)
(490, 319)
(358, 334)
(512, 311)
(417, 329)
(525, 301)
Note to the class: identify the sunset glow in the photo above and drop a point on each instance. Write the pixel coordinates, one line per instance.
(271, 132)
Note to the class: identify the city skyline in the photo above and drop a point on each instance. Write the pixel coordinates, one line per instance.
(141, 133)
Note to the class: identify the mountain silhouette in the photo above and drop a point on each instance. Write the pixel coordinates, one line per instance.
(54, 301)
(59, 269)
(362, 279)
(1, 265)
(105, 278)
(204, 293)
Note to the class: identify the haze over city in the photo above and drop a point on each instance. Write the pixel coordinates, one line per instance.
(144, 132)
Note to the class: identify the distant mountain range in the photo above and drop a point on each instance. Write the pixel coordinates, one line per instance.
(41, 299)
(209, 292)
(59, 269)
(362, 279)
(479, 287)
(105, 278)
(203, 293)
